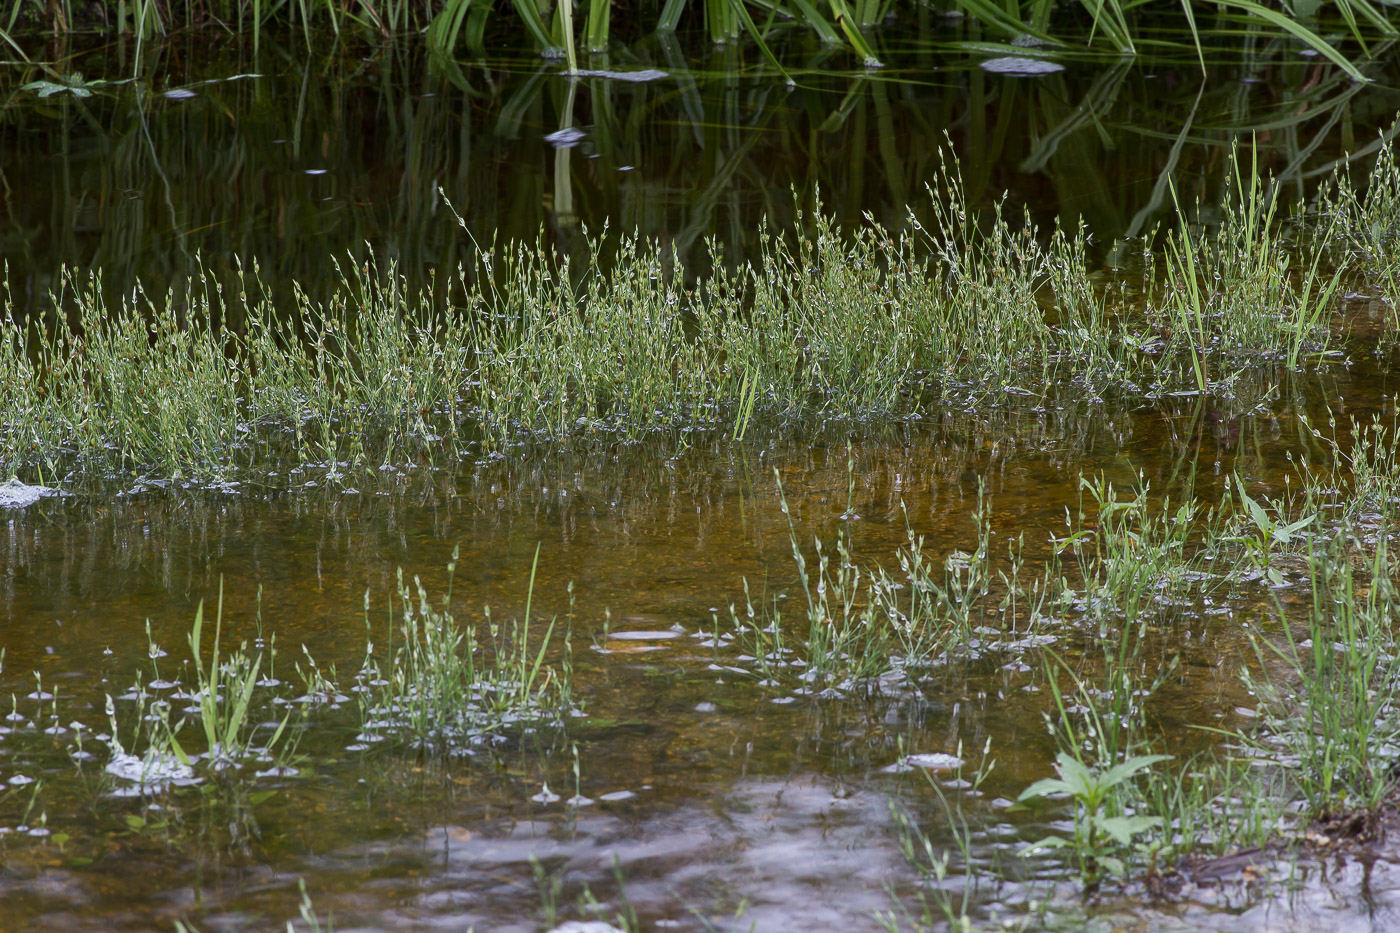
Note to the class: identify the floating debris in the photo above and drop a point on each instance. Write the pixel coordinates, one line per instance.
(17, 495)
(566, 138)
(1016, 65)
(545, 796)
(149, 775)
(636, 77)
(931, 761)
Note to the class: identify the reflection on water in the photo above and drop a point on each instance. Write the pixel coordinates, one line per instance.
(295, 162)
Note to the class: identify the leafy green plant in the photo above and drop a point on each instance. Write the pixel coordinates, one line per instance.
(1102, 831)
(1268, 532)
(73, 83)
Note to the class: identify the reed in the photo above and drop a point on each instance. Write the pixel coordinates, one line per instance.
(1107, 27)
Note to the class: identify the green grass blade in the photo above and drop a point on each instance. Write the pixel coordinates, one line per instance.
(447, 24)
(1372, 15)
(990, 15)
(1195, 33)
(670, 15)
(851, 28)
(564, 33)
(598, 26)
(1108, 16)
(740, 11)
(813, 17)
(1292, 26)
(530, 16)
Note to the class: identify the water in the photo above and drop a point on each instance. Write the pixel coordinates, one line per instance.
(713, 800)
(294, 162)
(711, 792)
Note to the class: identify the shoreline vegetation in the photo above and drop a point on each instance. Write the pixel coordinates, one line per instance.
(825, 326)
(1344, 32)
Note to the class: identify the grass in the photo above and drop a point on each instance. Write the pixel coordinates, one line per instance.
(445, 689)
(566, 30)
(1239, 292)
(869, 630)
(1332, 719)
(862, 327)
(226, 690)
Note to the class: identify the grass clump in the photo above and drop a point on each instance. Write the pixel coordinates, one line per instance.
(1332, 714)
(1239, 294)
(446, 692)
(227, 691)
(867, 629)
(212, 380)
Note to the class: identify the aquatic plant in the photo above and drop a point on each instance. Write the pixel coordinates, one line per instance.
(1106, 28)
(943, 896)
(1100, 833)
(865, 327)
(1332, 719)
(224, 692)
(1265, 533)
(866, 626)
(445, 689)
(1238, 293)
(227, 689)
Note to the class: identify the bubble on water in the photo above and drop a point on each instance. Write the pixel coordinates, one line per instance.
(281, 771)
(932, 761)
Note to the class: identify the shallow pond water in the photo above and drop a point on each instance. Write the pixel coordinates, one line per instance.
(687, 785)
(714, 798)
